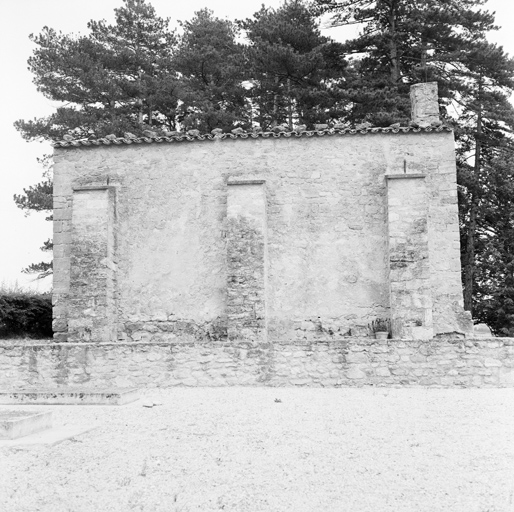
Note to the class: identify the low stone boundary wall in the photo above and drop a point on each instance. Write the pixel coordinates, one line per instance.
(352, 362)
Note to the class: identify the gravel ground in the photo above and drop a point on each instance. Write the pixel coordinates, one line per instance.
(239, 449)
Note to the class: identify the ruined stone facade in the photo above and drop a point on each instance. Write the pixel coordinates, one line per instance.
(264, 238)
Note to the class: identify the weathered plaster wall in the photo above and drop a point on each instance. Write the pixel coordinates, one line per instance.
(349, 362)
(326, 231)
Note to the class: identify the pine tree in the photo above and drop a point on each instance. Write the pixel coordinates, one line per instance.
(486, 118)
(292, 67)
(404, 42)
(493, 276)
(377, 89)
(117, 78)
(210, 63)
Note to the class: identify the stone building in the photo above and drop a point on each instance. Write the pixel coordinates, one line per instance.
(264, 237)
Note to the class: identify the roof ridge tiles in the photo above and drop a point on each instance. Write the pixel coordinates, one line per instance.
(243, 135)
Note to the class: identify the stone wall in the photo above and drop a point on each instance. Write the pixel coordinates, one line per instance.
(349, 362)
(317, 266)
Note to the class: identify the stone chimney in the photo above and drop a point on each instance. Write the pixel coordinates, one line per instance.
(424, 104)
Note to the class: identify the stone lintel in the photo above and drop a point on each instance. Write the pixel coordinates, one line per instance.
(94, 187)
(245, 180)
(404, 176)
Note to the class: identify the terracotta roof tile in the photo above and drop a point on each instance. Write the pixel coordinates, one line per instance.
(179, 138)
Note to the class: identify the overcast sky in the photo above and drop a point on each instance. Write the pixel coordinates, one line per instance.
(20, 236)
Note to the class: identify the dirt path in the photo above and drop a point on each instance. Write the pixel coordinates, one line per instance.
(237, 449)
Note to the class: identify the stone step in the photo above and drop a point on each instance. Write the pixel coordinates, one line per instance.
(49, 437)
(15, 424)
(67, 396)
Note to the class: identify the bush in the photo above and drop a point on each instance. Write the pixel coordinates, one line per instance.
(25, 314)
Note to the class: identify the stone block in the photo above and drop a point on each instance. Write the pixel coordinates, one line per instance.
(355, 374)
(301, 382)
(15, 424)
(489, 362)
(358, 357)
(59, 325)
(476, 380)
(383, 372)
(418, 358)
(506, 377)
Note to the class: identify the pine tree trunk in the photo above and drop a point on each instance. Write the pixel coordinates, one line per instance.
(393, 47)
(289, 105)
(424, 53)
(140, 113)
(275, 105)
(139, 99)
(469, 269)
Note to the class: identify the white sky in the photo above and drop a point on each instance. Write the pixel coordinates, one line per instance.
(20, 236)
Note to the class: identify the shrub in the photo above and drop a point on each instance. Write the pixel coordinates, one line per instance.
(25, 314)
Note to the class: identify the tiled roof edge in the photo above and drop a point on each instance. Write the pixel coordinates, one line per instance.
(265, 135)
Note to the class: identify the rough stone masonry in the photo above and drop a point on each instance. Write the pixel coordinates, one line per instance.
(262, 241)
